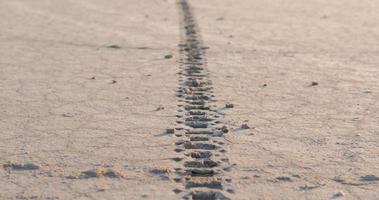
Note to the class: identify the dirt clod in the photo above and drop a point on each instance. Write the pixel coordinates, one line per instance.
(169, 56)
(314, 83)
(245, 126)
(113, 46)
(159, 108)
(338, 194)
(284, 178)
(229, 105)
(68, 114)
(224, 129)
(369, 178)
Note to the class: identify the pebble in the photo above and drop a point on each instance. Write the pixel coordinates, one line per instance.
(369, 177)
(68, 115)
(114, 81)
(114, 46)
(338, 194)
(169, 56)
(225, 129)
(314, 83)
(245, 126)
(160, 108)
(284, 178)
(229, 105)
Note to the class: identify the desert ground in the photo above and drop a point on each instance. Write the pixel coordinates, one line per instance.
(91, 108)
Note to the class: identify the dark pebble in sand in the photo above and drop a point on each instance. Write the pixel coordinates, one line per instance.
(245, 126)
(284, 178)
(168, 56)
(229, 105)
(369, 178)
(114, 46)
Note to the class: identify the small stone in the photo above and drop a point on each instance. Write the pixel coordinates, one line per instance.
(224, 129)
(229, 105)
(93, 78)
(369, 177)
(113, 46)
(245, 126)
(264, 85)
(160, 108)
(170, 131)
(114, 81)
(314, 83)
(169, 56)
(67, 115)
(338, 194)
(284, 178)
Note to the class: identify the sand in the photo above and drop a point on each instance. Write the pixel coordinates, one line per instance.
(82, 119)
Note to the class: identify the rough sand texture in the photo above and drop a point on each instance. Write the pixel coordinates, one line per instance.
(54, 115)
(315, 135)
(65, 135)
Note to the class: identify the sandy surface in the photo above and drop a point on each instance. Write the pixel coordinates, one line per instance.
(305, 142)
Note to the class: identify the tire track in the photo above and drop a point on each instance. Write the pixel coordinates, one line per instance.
(199, 133)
